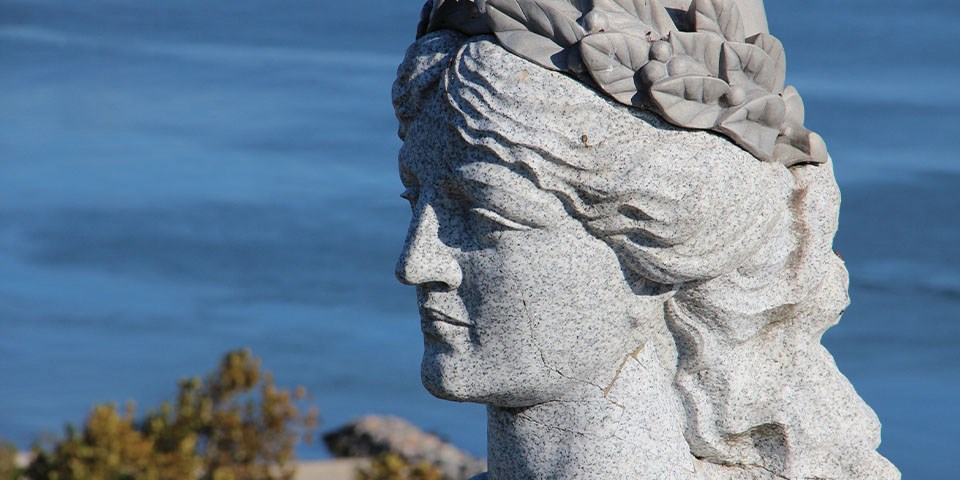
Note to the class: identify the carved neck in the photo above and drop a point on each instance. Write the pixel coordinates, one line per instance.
(635, 430)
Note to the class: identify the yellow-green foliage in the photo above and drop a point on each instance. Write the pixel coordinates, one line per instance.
(8, 462)
(234, 425)
(391, 467)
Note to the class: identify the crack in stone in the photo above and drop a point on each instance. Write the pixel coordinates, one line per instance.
(633, 355)
(543, 357)
(554, 427)
(748, 466)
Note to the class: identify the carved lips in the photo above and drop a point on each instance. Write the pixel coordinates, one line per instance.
(433, 322)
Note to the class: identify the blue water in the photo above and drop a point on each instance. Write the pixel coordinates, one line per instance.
(179, 178)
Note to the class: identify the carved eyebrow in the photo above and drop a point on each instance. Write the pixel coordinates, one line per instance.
(507, 194)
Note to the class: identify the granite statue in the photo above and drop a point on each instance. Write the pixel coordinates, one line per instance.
(621, 242)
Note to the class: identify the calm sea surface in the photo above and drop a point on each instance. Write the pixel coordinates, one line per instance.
(180, 178)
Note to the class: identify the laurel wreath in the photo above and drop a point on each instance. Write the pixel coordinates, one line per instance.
(694, 68)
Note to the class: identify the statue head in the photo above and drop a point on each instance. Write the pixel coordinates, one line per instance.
(556, 231)
(552, 239)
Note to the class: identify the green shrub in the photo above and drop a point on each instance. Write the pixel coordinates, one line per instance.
(233, 425)
(391, 466)
(8, 462)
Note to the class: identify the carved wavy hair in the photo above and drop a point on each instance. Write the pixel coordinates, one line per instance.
(746, 244)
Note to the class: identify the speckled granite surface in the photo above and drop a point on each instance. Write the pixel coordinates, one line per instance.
(631, 300)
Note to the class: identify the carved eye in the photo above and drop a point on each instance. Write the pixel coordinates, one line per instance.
(494, 222)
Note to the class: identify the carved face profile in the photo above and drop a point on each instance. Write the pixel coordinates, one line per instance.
(519, 303)
(544, 245)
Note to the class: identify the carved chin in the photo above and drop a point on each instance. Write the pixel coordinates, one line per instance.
(447, 377)
(457, 377)
(439, 383)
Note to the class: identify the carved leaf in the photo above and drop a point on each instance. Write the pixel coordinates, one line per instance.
(798, 145)
(613, 60)
(460, 15)
(788, 155)
(774, 49)
(721, 17)
(743, 60)
(661, 18)
(554, 19)
(425, 12)
(796, 113)
(598, 21)
(704, 47)
(538, 30)
(649, 12)
(642, 31)
(684, 65)
(690, 101)
(755, 125)
(580, 5)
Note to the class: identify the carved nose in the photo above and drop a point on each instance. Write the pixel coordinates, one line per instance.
(425, 259)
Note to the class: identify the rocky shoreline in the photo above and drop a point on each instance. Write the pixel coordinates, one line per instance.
(354, 445)
(376, 435)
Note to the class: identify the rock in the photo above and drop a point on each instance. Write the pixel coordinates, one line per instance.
(375, 435)
(340, 469)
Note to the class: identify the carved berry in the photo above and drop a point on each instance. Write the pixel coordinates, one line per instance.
(596, 22)
(653, 72)
(661, 51)
(736, 96)
(684, 65)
